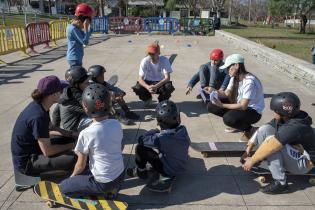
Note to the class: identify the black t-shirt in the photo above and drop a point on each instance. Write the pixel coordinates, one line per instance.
(32, 124)
(297, 130)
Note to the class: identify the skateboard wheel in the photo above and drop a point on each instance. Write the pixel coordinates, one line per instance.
(262, 179)
(312, 181)
(50, 204)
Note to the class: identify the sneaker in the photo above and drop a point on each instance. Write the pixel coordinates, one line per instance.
(198, 96)
(131, 115)
(275, 187)
(246, 135)
(137, 172)
(160, 184)
(230, 130)
(147, 103)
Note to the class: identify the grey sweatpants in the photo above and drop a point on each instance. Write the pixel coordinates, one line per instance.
(287, 159)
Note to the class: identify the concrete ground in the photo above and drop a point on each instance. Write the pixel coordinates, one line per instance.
(211, 183)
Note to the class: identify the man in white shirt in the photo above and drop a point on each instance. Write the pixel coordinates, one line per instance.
(154, 76)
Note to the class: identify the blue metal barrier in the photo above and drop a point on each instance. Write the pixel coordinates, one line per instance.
(100, 24)
(151, 24)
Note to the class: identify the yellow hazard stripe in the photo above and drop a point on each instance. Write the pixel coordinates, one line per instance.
(89, 205)
(103, 203)
(120, 205)
(43, 190)
(57, 193)
(75, 203)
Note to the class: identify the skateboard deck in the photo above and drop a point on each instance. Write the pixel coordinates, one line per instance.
(213, 149)
(263, 171)
(156, 184)
(113, 80)
(50, 192)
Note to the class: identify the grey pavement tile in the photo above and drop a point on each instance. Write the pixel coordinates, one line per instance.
(7, 189)
(188, 207)
(188, 189)
(284, 207)
(29, 196)
(295, 197)
(5, 177)
(5, 155)
(33, 206)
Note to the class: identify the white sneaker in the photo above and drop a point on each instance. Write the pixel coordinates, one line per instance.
(230, 130)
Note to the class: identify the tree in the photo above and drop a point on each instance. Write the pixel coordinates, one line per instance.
(292, 7)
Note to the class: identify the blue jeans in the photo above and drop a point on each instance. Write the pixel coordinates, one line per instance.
(85, 184)
(74, 63)
(313, 59)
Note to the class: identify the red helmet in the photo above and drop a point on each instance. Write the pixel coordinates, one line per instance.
(84, 9)
(216, 54)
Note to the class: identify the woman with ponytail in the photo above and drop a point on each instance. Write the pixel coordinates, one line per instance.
(245, 93)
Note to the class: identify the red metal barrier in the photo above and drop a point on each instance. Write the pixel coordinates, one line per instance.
(36, 34)
(125, 24)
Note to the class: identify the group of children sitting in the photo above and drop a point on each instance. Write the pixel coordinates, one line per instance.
(84, 120)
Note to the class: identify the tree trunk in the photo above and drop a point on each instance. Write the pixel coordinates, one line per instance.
(303, 21)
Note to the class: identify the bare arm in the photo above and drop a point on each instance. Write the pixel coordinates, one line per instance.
(167, 78)
(48, 149)
(80, 165)
(240, 106)
(57, 131)
(143, 83)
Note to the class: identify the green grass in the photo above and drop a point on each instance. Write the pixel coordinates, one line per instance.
(286, 40)
(19, 20)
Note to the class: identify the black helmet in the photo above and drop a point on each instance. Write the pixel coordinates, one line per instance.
(167, 114)
(97, 100)
(96, 70)
(76, 75)
(285, 104)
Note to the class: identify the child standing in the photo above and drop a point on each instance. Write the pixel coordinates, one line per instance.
(100, 143)
(171, 142)
(78, 34)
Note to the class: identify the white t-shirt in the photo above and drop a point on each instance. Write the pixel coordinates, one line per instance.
(250, 88)
(102, 142)
(154, 72)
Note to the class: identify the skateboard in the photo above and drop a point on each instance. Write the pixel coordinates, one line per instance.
(50, 192)
(113, 80)
(158, 184)
(262, 171)
(213, 149)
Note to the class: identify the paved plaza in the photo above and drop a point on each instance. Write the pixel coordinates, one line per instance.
(209, 183)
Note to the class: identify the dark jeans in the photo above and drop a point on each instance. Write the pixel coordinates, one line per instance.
(146, 155)
(164, 91)
(38, 164)
(313, 59)
(61, 140)
(85, 185)
(239, 119)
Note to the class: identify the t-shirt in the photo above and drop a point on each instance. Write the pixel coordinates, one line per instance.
(101, 141)
(250, 88)
(32, 124)
(297, 130)
(154, 72)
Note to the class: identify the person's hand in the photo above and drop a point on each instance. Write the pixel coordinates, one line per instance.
(152, 89)
(248, 164)
(86, 24)
(244, 156)
(188, 90)
(208, 90)
(217, 102)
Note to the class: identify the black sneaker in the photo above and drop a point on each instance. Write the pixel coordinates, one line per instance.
(122, 119)
(275, 187)
(198, 96)
(135, 172)
(131, 115)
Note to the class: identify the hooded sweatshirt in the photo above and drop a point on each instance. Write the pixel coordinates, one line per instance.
(297, 130)
(69, 111)
(172, 145)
